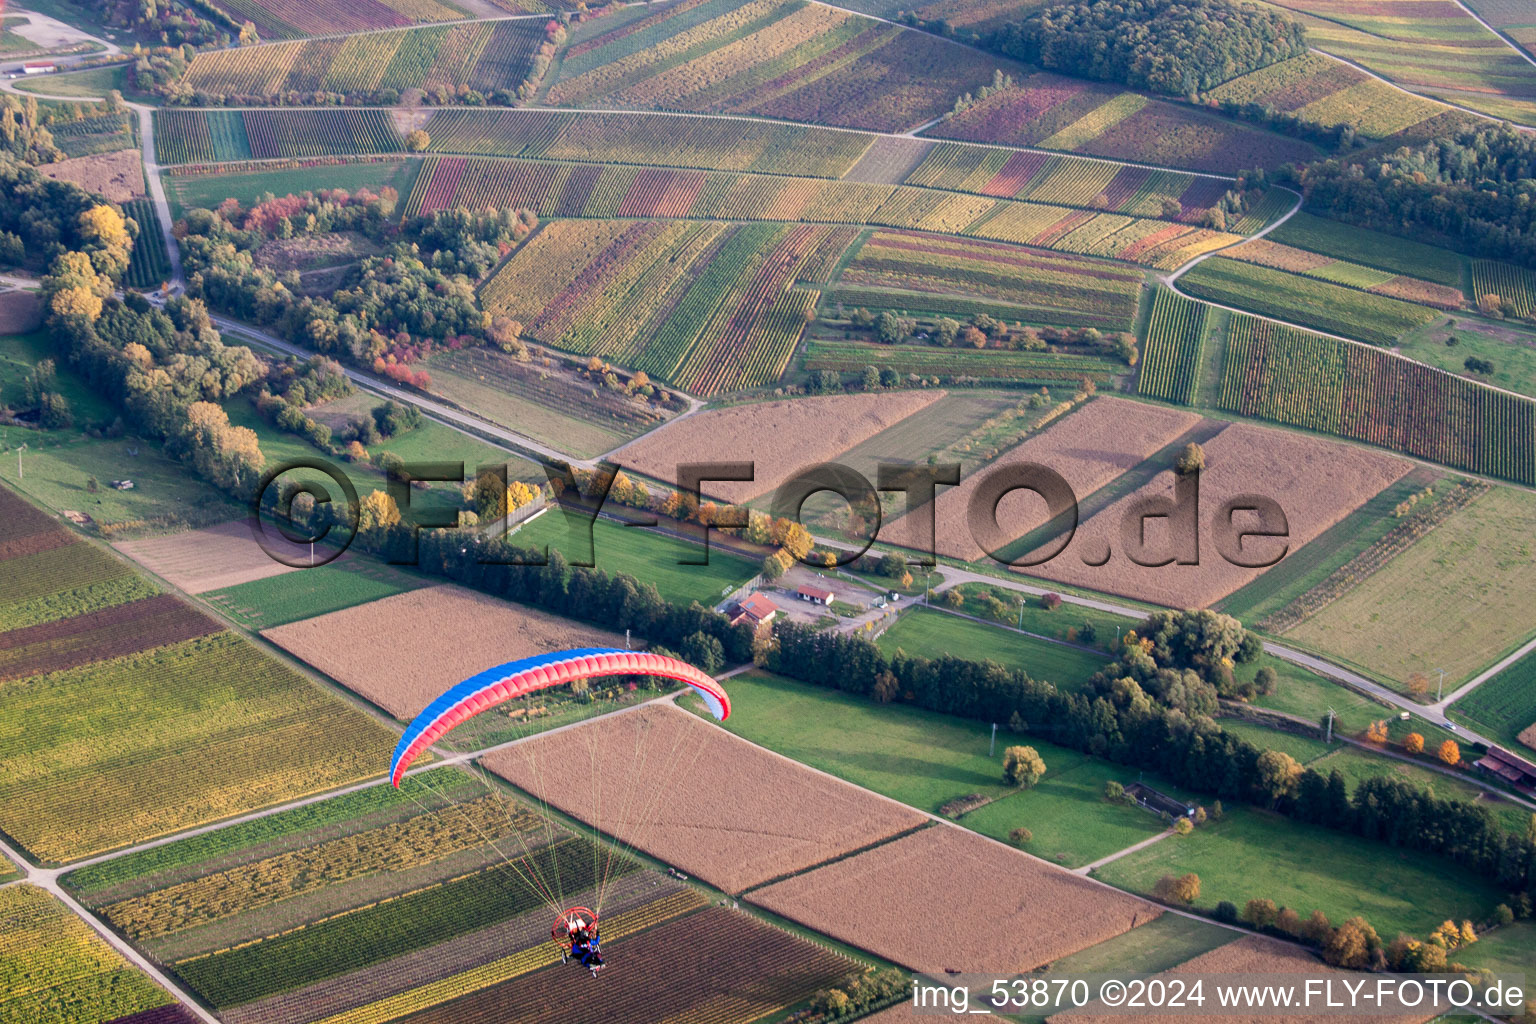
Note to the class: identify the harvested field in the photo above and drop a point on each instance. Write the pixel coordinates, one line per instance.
(950, 879)
(1315, 482)
(109, 633)
(20, 312)
(1252, 954)
(207, 559)
(1089, 447)
(118, 176)
(778, 437)
(402, 651)
(714, 805)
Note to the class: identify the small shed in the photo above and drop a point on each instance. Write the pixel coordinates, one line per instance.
(38, 67)
(1512, 768)
(815, 595)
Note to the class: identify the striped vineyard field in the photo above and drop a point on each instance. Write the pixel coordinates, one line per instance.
(149, 265)
(1355, 391)
(1171, 358)
(710, 307)
(589, 190)
(182, 137)
(717, 966)
(715, 144)
(950, 363)
(487, 56)
(1516, 286)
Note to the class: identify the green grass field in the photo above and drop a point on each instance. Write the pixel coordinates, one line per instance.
(648, 555)
(926, 760)
(1504, 705)
(1036, 619)
(1372, 248)
(1302, 570)
(207, 191)
(56, 470)
(1253, 854)
(930, 633)
(93, 83)
(1458, 599)
(1509, 345)
(344, 583)
(1511, 950)
(20, 353)
(1305, 749)
(1319, 305)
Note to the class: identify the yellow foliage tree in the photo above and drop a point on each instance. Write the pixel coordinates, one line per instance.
(1413, 743)
(1377, 733)
(76, 302)
(378, 511)
(1450, 753)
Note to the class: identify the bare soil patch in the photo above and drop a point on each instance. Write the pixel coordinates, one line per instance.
(1528, 736)
(209, 559)
(1315, 482)
(779, 437)
(1254, 954)
(119, 176)
(948, 899)
(313, 251)
(1089, 447)
(20, 312)
(109, 633)
(402, 651)
(714, 805)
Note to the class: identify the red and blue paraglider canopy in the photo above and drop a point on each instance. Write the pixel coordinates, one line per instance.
(527, 675)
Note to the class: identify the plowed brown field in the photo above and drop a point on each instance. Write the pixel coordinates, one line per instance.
(108, 633)
(695, 796)
(1089, 447)
(1315, 482)
(201, 560)
(779, 437)
(401, 652)
(948, 899)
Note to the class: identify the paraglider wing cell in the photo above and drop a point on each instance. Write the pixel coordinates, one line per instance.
(527, 675)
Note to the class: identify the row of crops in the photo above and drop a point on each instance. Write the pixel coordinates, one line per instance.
(1296, 377)
(1312, 303)
(1515, 286)
(1171, 358)
(720, 144)
(707, 306)
(984, 364)
(589, 190)
(215, 136)
(1067, 180)
(149, 265)
(484, 56)
(1032, 284)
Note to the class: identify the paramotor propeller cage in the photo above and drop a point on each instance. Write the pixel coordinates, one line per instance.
(570, 920)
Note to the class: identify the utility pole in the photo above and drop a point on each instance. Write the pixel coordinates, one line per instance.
(1021, 613)
(992, 747)
(1330, 726)
(18, 460)
(1440, 693)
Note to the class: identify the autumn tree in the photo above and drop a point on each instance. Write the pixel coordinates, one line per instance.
(417, 140)
(1183, 889)
(378, 511)
(1450, 753)
(1413, 743)
(1191, 459)
(1353, 944)
(1418, 684)
(1377, 732)
(1278, 774)
(1022, 766)
(1261, 913)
